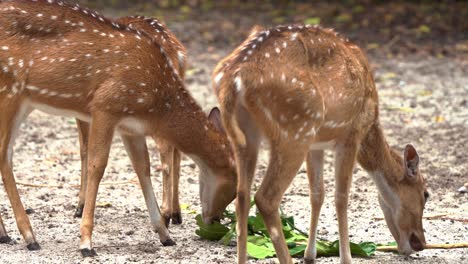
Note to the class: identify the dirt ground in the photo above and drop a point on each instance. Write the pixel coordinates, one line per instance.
(423, 100)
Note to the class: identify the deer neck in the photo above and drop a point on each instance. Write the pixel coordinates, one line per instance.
(189, 129)
(381, 162)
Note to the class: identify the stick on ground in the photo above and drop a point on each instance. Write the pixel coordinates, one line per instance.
(428, 246)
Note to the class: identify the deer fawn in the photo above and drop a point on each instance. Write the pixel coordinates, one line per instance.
(170, 156)
(67, 60)
(304, 89)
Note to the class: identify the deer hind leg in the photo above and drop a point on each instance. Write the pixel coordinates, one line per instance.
(166, 155)
(138, 152)
(285, 161)
(344, 163)
(4, 238)
(100, 139)
(83, 132)
(314, 163)
(175, 175)
(246, 160)
(12, 115)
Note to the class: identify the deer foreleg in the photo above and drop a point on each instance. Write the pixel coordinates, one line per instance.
(83, 132)
(314, 163)
(100, 139)
(344, 163)
(284, 163)
(138, 152)
(12, 115)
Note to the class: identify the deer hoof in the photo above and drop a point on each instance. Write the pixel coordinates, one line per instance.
(79, 211)
(88, 253)
(168, 243)
(5, 240)
(33, 246)
(176, 218)
(167, 219)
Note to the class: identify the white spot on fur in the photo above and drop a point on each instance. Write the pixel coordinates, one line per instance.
(294, 36)
(238, 83)
(218, 77)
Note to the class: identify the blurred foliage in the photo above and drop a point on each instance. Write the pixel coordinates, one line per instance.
(397, 27)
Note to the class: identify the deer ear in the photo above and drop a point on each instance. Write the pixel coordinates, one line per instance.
(411, 158)
(255, 29)
(215, 119)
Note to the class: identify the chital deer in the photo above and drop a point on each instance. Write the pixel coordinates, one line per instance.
(305, 89)
(464, 188)
(170, 156)
(67, 60)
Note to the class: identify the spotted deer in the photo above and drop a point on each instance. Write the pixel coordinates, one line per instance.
(67, 60)
(170, 156)
(305, 89)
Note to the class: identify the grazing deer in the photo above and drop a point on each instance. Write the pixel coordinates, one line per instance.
(464, 188)
(304, 89)
(67, 60)
(170, 156)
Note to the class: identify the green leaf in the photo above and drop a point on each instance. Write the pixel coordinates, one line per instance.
(258, 240)
(226, 239)
(344, 17)
(297, 250)
(260, 246)
(358, 9)
(257, 225)
(364, 249)
(368, 248)
(260, 252)
(424, 29)
(213, 232)
(312, 21)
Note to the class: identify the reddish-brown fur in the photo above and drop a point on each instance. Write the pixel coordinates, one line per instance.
(68, 60)
(170, 156)
(305, 89)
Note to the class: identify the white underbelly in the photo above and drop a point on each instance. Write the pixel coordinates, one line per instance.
(323, 145)
(59, 111)
(132, 126)
(127, 125)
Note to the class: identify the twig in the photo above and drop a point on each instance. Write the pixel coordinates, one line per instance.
(391, 42)
(428, 246)
(434, 217)
(133, 180)
(455, 219)
(115, 246)
(39, 185)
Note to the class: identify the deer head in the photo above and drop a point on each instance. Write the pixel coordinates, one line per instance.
(403, 202)
(217, 188)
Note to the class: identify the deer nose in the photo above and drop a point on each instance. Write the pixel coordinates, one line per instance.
(415, 243)
(211, 220)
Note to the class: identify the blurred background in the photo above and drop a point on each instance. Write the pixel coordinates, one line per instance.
(389, 28)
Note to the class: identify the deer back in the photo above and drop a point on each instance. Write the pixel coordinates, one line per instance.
(174, 49)
(67, 57)
(300, 81)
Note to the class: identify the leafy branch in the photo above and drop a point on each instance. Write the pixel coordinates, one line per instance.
(259, 244)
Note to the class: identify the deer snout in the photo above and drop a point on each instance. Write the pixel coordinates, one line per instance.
(210, 220)
(415, 243)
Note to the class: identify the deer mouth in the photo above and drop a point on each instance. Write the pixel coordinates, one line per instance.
(415, 243)
(211, 220)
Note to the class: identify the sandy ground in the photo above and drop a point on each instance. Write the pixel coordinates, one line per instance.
(422, 100)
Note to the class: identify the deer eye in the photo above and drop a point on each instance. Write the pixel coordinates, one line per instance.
(426, 196)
